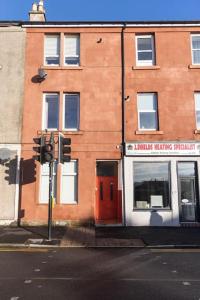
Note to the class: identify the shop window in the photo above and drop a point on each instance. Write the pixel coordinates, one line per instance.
(71, 112)
(195, 45)
(69, 184)
(197, 109)
(50, 111)
(44, 183)
(145, 55)
(151, 185)
(71, 50)
(52, 50)
(147, 111)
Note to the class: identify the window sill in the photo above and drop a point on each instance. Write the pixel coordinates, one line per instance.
(197, 131)
(62, 68)
(72, 132)
(194, 67)
(146, 67)
(156, 132)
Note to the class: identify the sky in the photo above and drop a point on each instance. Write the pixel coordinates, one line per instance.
(104, 10)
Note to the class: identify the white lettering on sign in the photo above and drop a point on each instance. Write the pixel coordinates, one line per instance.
(170, 148)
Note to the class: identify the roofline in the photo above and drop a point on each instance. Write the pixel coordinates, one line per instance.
(10, 23)
(168, 23)
(50, 24)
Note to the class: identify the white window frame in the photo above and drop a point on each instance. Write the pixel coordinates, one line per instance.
(195, 94)
(78, 113)
(191, 36)
(44, 112)
(76, 56)
(75, 174)
(51, 35)
(42, 173)
(145, 62)
(155, 96)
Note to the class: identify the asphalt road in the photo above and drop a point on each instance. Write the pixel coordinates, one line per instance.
(80, 274)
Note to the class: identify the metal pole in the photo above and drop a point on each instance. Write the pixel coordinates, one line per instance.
(51, 166)
(50, 200)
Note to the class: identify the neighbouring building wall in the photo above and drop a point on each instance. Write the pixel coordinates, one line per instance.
(173, 79)
(12, 46)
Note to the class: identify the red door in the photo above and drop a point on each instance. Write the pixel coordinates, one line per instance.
(107, 192)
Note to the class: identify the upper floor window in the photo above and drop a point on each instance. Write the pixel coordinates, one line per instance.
(52, 50)
(51, 111)
(145, 55)
(71, 50)
(197, 109)
(147, 111)
(195, 39)
(71, 111)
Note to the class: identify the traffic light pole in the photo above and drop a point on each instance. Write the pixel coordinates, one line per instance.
(51, 165)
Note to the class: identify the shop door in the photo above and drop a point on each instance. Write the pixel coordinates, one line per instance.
(107, 192)
(188, 196)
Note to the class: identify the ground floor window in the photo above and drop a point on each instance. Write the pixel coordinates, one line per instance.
(44, 183)
(69, 183)
(151, 182)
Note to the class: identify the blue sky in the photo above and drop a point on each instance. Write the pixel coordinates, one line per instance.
(104, 10)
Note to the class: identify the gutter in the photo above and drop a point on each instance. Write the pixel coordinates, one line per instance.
(123, 122)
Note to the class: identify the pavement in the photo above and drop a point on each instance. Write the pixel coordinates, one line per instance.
(83, 236)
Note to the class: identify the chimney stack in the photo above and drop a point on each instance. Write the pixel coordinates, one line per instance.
(37, 13)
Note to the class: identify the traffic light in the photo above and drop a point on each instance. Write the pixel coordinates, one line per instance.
(40, 142)
(64, 148)
(48, 152)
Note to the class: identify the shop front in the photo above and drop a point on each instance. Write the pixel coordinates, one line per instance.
(162, 183)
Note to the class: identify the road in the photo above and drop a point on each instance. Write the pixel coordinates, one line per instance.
(80, 274)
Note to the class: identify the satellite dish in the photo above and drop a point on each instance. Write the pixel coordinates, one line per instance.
(42, 74)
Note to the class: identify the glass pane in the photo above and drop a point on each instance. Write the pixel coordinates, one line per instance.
(144, 43)
(186, 169)
(72, 60)
(197, 101)
(145, 56)
(148, 120)
(72, 45)
(146, 101)
(70, 167)
(52, 46)
(151, 185)
(69, 189)
(52, 111)
(71, 111)
(196, 42)
(52, 60)
(196, 56)
(44, 188)
(198, 119)
(106, 168)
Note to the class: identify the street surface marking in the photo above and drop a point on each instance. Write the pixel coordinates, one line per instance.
(27, 281)
(186, 283)
(31, 250)
(175, 250)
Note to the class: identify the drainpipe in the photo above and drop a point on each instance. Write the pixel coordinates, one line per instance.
(123, 122)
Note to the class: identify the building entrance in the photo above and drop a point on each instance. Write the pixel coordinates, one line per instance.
(187, 190)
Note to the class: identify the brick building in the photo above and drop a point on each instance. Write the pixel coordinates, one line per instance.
(128, 96)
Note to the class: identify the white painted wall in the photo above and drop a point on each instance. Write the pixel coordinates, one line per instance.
(149, 217)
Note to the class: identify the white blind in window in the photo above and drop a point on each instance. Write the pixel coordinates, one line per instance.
(69, 183)
(71, 45)
(52, 45)
(44, 183)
